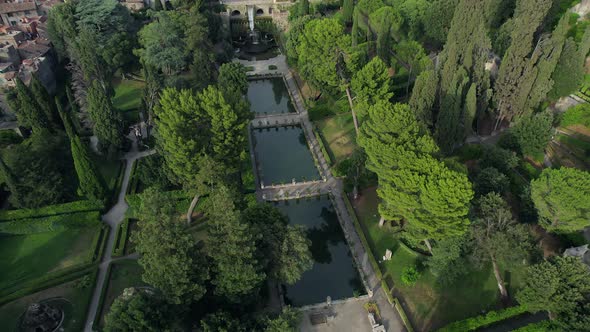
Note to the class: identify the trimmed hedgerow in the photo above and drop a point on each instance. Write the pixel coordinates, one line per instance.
(51, 223)
(51, 210)
(477, 322)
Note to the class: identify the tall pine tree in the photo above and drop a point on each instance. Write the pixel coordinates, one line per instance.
(417, 191)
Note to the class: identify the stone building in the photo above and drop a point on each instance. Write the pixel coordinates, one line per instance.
(12, 11)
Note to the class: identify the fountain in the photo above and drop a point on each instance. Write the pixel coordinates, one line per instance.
(251, 17)
(253, 43)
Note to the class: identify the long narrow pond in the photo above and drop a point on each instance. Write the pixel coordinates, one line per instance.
(282, 154)
(269, 96)
(333, 273)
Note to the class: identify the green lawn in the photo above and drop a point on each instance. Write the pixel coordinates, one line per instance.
(428, 305)
(31, 256)
(77, 294)
(127, 94)
(338, 133)
(110, 171)
(124, 273)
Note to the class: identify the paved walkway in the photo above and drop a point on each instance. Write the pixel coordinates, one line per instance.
(260, 67)
(390, 317)
(113, 218)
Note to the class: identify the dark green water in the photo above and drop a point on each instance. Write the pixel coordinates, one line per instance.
(333, 273)
(282, 154)
(269, 96)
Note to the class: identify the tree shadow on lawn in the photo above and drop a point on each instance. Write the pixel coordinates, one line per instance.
(41, 253)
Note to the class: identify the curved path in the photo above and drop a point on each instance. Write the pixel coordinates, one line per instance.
(113, 218)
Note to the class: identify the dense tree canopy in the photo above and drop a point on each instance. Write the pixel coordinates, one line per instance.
(141, 310)
(415, 188)
(562, 197)
(533, 133)
(170, 259)
(496, 237)
(560, 286)
(237, 273)
(39, 171)
(282, 249)
(371, 84)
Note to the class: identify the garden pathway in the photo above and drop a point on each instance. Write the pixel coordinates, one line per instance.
(390, 318)
(113, 218)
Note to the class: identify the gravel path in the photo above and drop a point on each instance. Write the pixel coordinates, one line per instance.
(113, 218)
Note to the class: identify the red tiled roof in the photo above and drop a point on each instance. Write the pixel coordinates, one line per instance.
(17, 7)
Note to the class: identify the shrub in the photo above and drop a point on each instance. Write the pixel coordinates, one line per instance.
(250, 68)
(579, 114)
(410, 275)
(51, 210)
(272, 67)
(477, 322)
(51, 223)
(491, 180)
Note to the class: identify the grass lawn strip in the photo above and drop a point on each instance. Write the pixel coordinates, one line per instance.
(338, 132)
(128, 94)
(31, 256)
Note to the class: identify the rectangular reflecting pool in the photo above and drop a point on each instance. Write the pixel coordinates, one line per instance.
(282, 154)
(333, 273)
(269, 96)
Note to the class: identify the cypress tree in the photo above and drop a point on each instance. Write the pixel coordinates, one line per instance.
(10, 181)
(569, 72)
(542, 65)
(304, 9)
(42, 98)
(88, 179)
(509, 88)
(385, 21)
(424, 96)
(463, 65)
(470, 109)
(347, 10)
(28, 113)
(107, 122)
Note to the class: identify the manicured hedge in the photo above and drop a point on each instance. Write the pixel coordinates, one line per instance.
(477, 322)
(51, 223)
(51, 210)
(100, 243)
(121, 238)
(544, 326)
(103, 293)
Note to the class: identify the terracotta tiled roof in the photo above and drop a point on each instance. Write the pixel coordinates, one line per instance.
(32, 49)
(17, 7)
